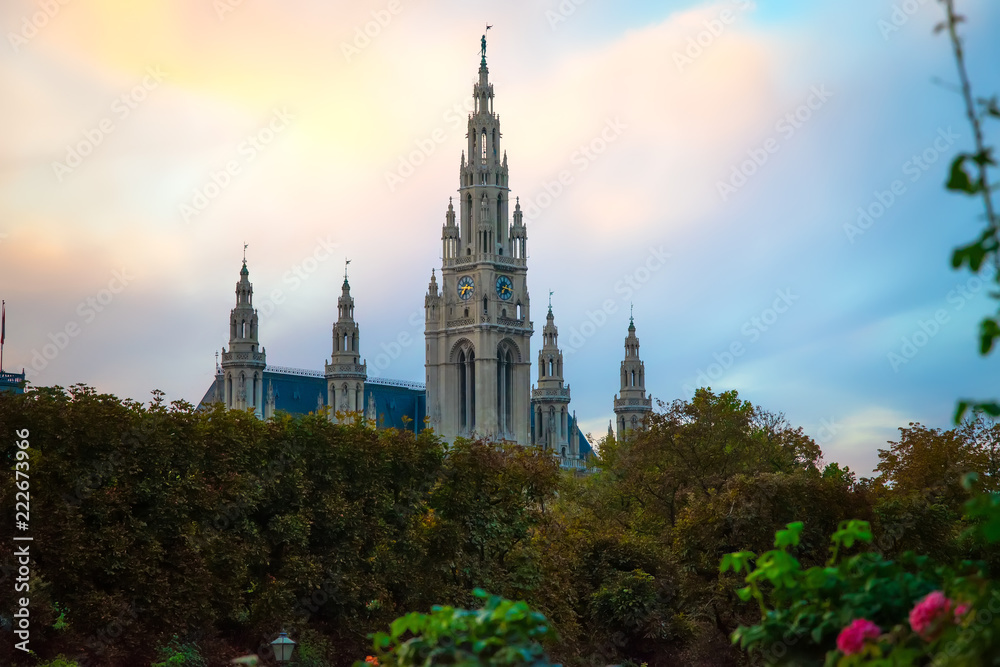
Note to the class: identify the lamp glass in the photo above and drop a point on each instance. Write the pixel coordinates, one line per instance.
(283, 647)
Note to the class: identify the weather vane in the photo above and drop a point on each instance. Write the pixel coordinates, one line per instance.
(550, 299)
(346, 262)
(245, 246)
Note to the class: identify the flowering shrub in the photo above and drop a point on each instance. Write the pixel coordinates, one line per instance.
(927, 615)
(501, 633)
(852, 638)
(835, 614)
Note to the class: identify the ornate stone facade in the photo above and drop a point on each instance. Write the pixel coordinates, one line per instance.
(243, 364)
(632, 405)
(550, 400)
(478, 325)
(346, 374)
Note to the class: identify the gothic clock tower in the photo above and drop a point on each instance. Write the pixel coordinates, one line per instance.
(478, 326)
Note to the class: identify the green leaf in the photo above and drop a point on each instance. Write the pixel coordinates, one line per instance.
(959, 179)
(989, 331)
(788, 537)
(990, 408)
(972, 254)
(991, 106)
(985, 157)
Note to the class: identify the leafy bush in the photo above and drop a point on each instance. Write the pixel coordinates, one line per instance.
(501, 633)
(179, 654)
(865, 610)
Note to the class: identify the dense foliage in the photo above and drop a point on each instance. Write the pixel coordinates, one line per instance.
(166, 535)
(502, 632)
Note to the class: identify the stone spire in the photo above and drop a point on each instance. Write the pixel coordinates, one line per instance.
(632, 405)
(243, 364)
(550, 400)
(477, 326)
(346, 373)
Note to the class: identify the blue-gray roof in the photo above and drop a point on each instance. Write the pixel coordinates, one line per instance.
(12, 382)
(398, 403)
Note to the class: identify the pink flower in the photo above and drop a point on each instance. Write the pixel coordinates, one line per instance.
(852, 638)
(960, 611)
(926, 613)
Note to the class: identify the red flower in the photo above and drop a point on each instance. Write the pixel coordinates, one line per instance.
(926, 613)
(852, 638)
(371, 660)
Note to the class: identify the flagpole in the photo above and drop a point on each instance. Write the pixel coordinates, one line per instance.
(3, 330)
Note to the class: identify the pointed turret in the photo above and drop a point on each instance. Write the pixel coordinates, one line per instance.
(632, 405)
(550, 400)
(346, 373)
(243, 364)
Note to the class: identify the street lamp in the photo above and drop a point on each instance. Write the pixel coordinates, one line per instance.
(283, 647)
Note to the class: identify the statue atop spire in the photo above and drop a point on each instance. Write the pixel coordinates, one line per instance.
(483, 48)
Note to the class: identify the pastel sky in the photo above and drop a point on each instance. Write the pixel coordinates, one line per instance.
(142, 143)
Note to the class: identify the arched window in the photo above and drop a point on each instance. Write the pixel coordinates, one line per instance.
(463, 417)
(465, 361)
(633, 378)
(467, 231)
(500, 222)
(550, 365)
(482, 140)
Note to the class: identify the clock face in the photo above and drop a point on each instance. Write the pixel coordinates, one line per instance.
(466, 287)
(505, 288)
